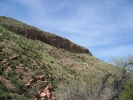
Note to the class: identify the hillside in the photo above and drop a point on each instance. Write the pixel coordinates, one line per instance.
(32, 62)
(46, 37)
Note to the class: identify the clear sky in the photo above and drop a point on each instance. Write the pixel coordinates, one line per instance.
(105, 27)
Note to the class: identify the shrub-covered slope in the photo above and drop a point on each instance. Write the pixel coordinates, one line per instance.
(32, 69)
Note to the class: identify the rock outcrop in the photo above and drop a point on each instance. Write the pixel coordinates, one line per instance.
(51, 39)
(46, 93)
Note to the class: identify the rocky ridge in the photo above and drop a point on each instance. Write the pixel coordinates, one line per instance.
(33, 33)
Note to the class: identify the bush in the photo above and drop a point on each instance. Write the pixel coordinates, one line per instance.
(20, 74)
(1, 72)
(41, 85)
(4, 93)
(43, 66)
(13, 80)
(51, 61)
(25, 69)
(11, 73)
(19, 87)
(108, 88)
(127, 94)
(18, 97)
(12, 64)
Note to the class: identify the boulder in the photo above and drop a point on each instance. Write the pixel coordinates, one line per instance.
(27, 85)
(43, 95)
(41, 77)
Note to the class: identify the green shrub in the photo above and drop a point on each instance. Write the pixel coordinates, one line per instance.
(41, 85)
(51, 61)
(12, 64)
(19, 87)
(38, 72)
(25, 69)
(1, 39)
(2, 55)
(1, 72)
(127, 94)
(0, 49)
(4, 93)
(33, 76)
(13, 80)
(11, 73)
(70, 70)
(18, 97)
(43, 66)
(20, 74)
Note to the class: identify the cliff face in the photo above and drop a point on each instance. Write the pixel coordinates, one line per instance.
(50, 39)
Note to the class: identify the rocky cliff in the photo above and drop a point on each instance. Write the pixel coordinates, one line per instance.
(34, 33)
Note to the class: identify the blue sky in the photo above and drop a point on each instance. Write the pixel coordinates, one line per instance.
(105, 27)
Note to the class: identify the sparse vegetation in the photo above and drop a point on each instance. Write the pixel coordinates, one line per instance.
(73, 76)
(127, 94)
(4, 93)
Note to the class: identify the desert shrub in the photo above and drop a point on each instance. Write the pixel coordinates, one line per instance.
(26, 61)
(108, 88)
(33, 76)
(1, 39)
(24, 52)
(31, 92)
(18, 97)
(54, 85)
(13, 80)
(127, 94)
(41, 85)
(19, 86)
(51, 61)
(20, 74)
(11, 73)
(70, 70)
(38, 72)
(102, 90)
(4, 93)
(12, 64)
(74, 91)
(49, 67)
(0, 48)
(1, 72)
(21, 60)
(2, 55)
(25, 69)
(44, 66)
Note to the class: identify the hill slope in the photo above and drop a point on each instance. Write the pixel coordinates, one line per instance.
(34, 33)
(29, 66)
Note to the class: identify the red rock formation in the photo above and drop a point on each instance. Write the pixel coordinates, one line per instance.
(41, 77)
(48, 38)
(47, 93)
(27, 85)
(43, 95)
(45, 82)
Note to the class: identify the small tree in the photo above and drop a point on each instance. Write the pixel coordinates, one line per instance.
(127, 94)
